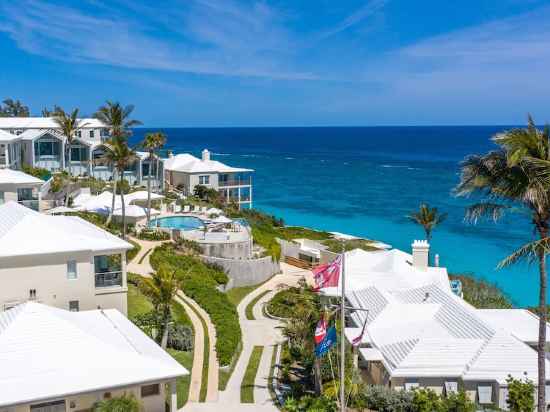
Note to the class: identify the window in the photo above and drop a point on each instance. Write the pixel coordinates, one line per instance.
(484, 394)
(92, 134)
(204, 180)
(78, 133)
(71, 269)
(57, 406)
(150, 390)
(451, 387)
(74, 306)
(25, 193)
(2, 199)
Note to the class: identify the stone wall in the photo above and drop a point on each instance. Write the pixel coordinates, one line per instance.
(246, 272)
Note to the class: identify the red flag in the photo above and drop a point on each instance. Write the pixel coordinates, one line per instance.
(320, 330)
(327, 275)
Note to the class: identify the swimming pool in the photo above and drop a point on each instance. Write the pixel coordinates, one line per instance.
(177, 222)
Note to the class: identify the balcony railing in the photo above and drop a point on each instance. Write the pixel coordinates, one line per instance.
(235, 182)
(108, 279)
(31, 204)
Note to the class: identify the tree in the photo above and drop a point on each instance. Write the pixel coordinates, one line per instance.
(428, 218)
(69, 125)
(120, 155)
(516, 177)
(521, 395)
(117, 119)
(152, 143)
(125, 403)
(161, 288)
(50, 113)
(14, 108)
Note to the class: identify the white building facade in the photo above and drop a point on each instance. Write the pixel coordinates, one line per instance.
(20, 187)
(62, 261)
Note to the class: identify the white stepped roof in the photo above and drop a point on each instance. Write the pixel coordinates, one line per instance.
(389, 270)
(190, 164)
(32, 134)
(47, 353)
(6, 137)
(16, 177)
(26, 232)
(521, 323)
(42, 123)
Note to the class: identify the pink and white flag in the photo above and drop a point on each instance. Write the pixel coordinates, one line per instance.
(320, 330)
(327, 275)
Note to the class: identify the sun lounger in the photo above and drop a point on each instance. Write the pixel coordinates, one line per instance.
(186, 209)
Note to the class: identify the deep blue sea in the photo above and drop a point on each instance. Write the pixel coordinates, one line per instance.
(365, 180)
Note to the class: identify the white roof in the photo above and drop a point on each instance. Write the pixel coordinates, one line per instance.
(222, 219)
(48, 353)
(141, 195)
(190, 164)
(26, 232)
(521, 323)
(135, 211)
(387, 270)
(42, 123)
(214, 211)
(102, 203)
(16, 177)
(8, 137)
(32, 134)
(429, 331)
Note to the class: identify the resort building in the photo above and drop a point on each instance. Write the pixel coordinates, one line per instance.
(39, 142)
(20, 187)
(53, 360)
(412, 331)
(184, 172)
(62, 261)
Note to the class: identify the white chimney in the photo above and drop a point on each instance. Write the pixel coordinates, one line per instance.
(205, 155)
(420, 252)
(170, 154)
(436, 260)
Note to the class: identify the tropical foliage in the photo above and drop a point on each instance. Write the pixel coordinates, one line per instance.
(521, 395)
(481, 294)
(427, 217)
(13, 108)
(516, 177)
(125, 403)
(152, 143)
(69, 125)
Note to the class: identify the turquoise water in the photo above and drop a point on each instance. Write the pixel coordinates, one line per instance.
(364, 181)
(177, 222)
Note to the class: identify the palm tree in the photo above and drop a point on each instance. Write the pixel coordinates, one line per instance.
(151, 143)
(515, 177)
(14, 108)
(120, 155)
(69, 125)
(49, 113)
(161, 288)
(116, 118)
(428, 218)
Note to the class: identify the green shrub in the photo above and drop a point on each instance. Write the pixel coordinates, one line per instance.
(426, 400)
(309, 403)
(131, 254)
(521, 395)
(124, 403)
(482, 294)
(123, 187)
(200, 282)
(189, 245)
(38, 172)
(153, 235)
(283, 303)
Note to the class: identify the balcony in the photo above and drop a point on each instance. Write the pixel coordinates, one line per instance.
(235, 181)
(108, 279)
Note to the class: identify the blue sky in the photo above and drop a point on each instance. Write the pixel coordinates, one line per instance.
(282, 62)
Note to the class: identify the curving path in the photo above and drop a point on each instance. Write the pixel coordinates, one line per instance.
(261, 331)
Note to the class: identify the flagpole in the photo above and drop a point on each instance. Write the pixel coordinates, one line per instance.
(342, 332)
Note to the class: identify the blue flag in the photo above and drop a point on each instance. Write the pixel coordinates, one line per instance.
(327, 343)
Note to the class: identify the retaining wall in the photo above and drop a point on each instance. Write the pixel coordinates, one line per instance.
(246, 272)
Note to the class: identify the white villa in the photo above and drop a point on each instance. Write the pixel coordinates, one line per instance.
(20, 187)
(185, 171)
(38, 142)
(420, 334)
(54, 360)
(62, 261)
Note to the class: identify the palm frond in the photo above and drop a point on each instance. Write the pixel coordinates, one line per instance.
(485, 209)
(529, 253)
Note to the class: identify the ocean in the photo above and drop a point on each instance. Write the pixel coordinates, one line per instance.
(365, 180)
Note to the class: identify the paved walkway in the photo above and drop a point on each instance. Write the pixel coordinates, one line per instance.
(144, 268)
(261, 331)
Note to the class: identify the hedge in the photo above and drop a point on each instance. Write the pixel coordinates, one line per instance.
(200, 282)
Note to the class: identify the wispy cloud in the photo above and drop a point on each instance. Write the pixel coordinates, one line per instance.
(218, 39)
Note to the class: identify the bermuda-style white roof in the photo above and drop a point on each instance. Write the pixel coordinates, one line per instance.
(6, 137)
(33, 134)
(521, 323)
(16, 177)
(24, 232)
(430, 332)
(43, 123)
(190, 164)
(48, 353)
(103, 202)
(387, 270)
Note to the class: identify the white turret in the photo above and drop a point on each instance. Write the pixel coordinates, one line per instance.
(420, 253)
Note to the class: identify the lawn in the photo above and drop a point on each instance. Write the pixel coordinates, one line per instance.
(235, 295)
(186, 360)
(138, 304)
(247, 385)
(249, 311)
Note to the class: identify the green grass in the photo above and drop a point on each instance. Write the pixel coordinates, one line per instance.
(271, 378)
(186, 360)
(132, 253)
(298, 232)
(247, 385)
(206, 358)
(235, 295)
(225, 374)
(335, 245)
(138, 304)
(249, 311)
(143, 257)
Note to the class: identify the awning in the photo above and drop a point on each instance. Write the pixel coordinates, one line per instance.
(371, 354)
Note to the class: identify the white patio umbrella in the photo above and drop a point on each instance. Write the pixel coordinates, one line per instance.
(135, 211)
(214, 211)
(222, 219)
(141, 196)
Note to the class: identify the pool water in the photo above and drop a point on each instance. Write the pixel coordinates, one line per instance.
(177, 222)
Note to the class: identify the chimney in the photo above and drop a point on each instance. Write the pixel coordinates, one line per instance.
(170, 154)
(205, 155)
(420, 252)
(436, 260)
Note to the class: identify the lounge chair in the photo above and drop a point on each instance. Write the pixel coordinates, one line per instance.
(186, 209)
(204, 209)
(177, 208)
